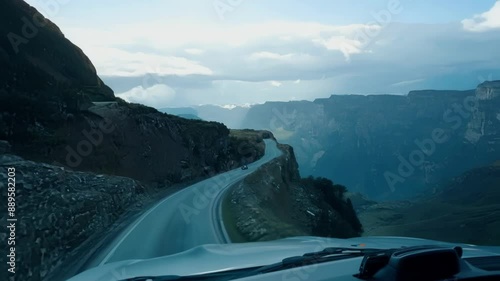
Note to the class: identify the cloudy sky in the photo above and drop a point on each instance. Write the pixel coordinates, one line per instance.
(169, 53)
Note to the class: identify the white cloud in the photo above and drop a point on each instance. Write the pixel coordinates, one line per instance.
(485, 21)
(229, 106)
(194, 51)
(117, 62)
(289, 58)
(160, 36)
(156, 96)
(269, 55)
(252, 63)
(407, 82)
(276, 83)
(352, 40)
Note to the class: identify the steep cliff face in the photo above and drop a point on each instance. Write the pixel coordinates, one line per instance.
(274, 203)
(484, 124)
(388, 147)
(488, 90)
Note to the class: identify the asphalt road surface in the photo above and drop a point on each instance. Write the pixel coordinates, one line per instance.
(181, 221)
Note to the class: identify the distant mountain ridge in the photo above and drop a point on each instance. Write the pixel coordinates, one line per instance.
(362, 141)
(385, 146)
(231, 117)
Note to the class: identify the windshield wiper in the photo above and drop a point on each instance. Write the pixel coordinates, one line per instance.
(155, 278)
(325, 255)
(373, 260)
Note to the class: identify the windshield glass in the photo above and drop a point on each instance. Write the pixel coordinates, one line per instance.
(176, 138)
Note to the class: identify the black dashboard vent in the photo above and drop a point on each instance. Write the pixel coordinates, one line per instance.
(412, 264)
(485, 263)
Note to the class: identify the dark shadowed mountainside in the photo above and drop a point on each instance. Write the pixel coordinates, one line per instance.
(464, 209)
(84, 158)
(35, 56)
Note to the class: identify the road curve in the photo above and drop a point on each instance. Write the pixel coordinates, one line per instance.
(183, 220)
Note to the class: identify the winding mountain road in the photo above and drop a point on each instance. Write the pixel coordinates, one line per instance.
(181, 221)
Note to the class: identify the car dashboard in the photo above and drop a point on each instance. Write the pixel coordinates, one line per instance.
(419, 263)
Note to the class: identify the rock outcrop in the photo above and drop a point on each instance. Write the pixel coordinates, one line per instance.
(488, 90)
(275, 203)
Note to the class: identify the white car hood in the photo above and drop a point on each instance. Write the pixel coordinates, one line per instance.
(221, 257)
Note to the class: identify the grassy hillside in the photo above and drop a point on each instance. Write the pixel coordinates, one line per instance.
(464, 210)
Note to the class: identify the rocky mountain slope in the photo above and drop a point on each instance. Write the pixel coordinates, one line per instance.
(84, 158)
(386, 146)
(54, 108)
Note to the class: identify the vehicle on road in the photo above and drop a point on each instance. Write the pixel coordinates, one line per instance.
(244, 167)
(314, 258)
